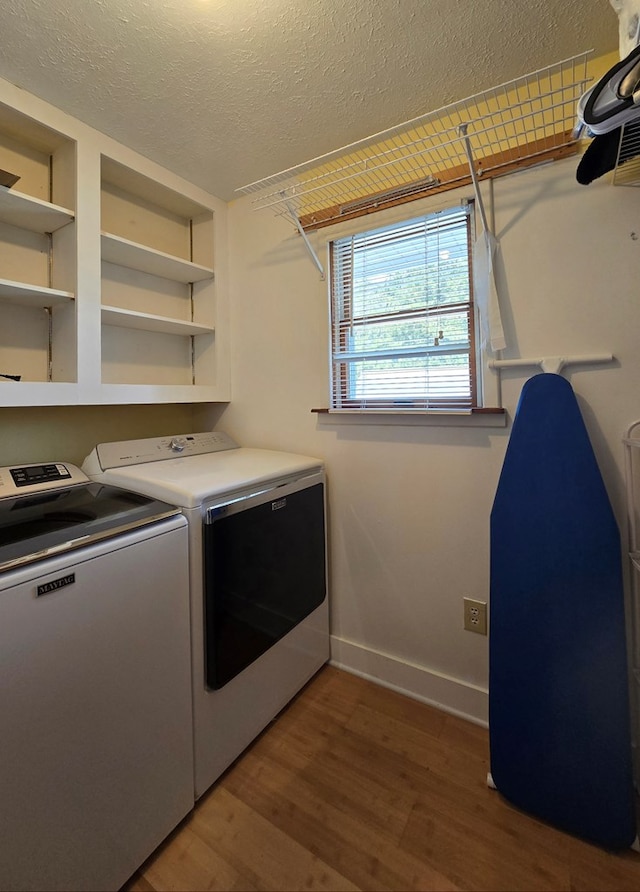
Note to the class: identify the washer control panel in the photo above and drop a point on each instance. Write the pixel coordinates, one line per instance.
(28, 479)
(137, 452)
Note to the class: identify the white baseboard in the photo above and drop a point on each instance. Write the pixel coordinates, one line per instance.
(449, 694)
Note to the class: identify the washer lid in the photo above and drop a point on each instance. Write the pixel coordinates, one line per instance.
(36, 526)
(191, 480)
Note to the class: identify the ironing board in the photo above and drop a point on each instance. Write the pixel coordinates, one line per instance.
(559, 723)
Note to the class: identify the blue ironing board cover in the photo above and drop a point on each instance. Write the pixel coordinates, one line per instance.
(559, 724)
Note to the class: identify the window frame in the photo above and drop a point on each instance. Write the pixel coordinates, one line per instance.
(339, 326)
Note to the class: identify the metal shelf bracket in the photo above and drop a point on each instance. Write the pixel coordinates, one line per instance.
(293, 216)
(462, 130)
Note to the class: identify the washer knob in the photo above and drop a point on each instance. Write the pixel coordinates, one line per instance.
(177, 444)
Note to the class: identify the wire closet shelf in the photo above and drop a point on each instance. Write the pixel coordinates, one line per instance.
(525, 120)
(627, 169)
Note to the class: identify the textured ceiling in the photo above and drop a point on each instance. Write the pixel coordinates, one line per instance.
(226, 92)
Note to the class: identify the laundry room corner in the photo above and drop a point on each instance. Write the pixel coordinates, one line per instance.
(408, 505)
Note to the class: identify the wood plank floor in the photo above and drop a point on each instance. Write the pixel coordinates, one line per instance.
(357, 787)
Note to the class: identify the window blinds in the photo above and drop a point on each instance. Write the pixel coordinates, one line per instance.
(402, 315)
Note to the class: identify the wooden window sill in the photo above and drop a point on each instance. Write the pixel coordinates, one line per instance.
(489, 417)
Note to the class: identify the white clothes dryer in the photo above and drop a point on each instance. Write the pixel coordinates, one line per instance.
(258, 576)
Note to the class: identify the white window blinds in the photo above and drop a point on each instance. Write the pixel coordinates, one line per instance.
(402, 315)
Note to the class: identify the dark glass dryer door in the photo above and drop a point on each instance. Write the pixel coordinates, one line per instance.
(264, 573)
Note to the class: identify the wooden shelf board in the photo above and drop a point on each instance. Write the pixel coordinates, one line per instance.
(131, 181)
(39, 393)
(132, 394)
(31, 213)
(148, 322)
(32, 295)
(123, 252)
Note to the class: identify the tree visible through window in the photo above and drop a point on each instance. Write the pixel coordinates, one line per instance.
(402, 315)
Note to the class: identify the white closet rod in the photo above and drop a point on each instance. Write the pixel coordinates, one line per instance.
(552, 363)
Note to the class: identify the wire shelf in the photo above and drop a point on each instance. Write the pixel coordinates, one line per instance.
(627, 169)
(524, 120)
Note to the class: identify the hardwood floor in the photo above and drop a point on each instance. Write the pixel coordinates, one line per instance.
(357, 787)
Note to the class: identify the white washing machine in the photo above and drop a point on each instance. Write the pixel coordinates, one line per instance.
(258, 578)
(96, 747)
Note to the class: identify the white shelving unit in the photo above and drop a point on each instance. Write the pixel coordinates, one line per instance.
(157, 281)
(112, 270)
(38, 331)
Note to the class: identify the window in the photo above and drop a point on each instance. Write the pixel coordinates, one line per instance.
(402, 316)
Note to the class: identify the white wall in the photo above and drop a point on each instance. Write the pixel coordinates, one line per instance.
(69, 433)
(409, 506)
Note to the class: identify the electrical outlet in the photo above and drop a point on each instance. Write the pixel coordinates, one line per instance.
(475, 616)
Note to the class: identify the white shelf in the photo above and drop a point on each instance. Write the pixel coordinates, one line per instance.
(39, 393)
(32, 295)
(149, 190)
(31, 213)
(141, 394)
(150, 322)
(51, 393)
(132, 255)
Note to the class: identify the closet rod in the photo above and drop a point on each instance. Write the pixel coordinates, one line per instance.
(552, 364)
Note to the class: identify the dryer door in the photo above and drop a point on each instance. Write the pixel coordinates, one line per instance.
(265, 571)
